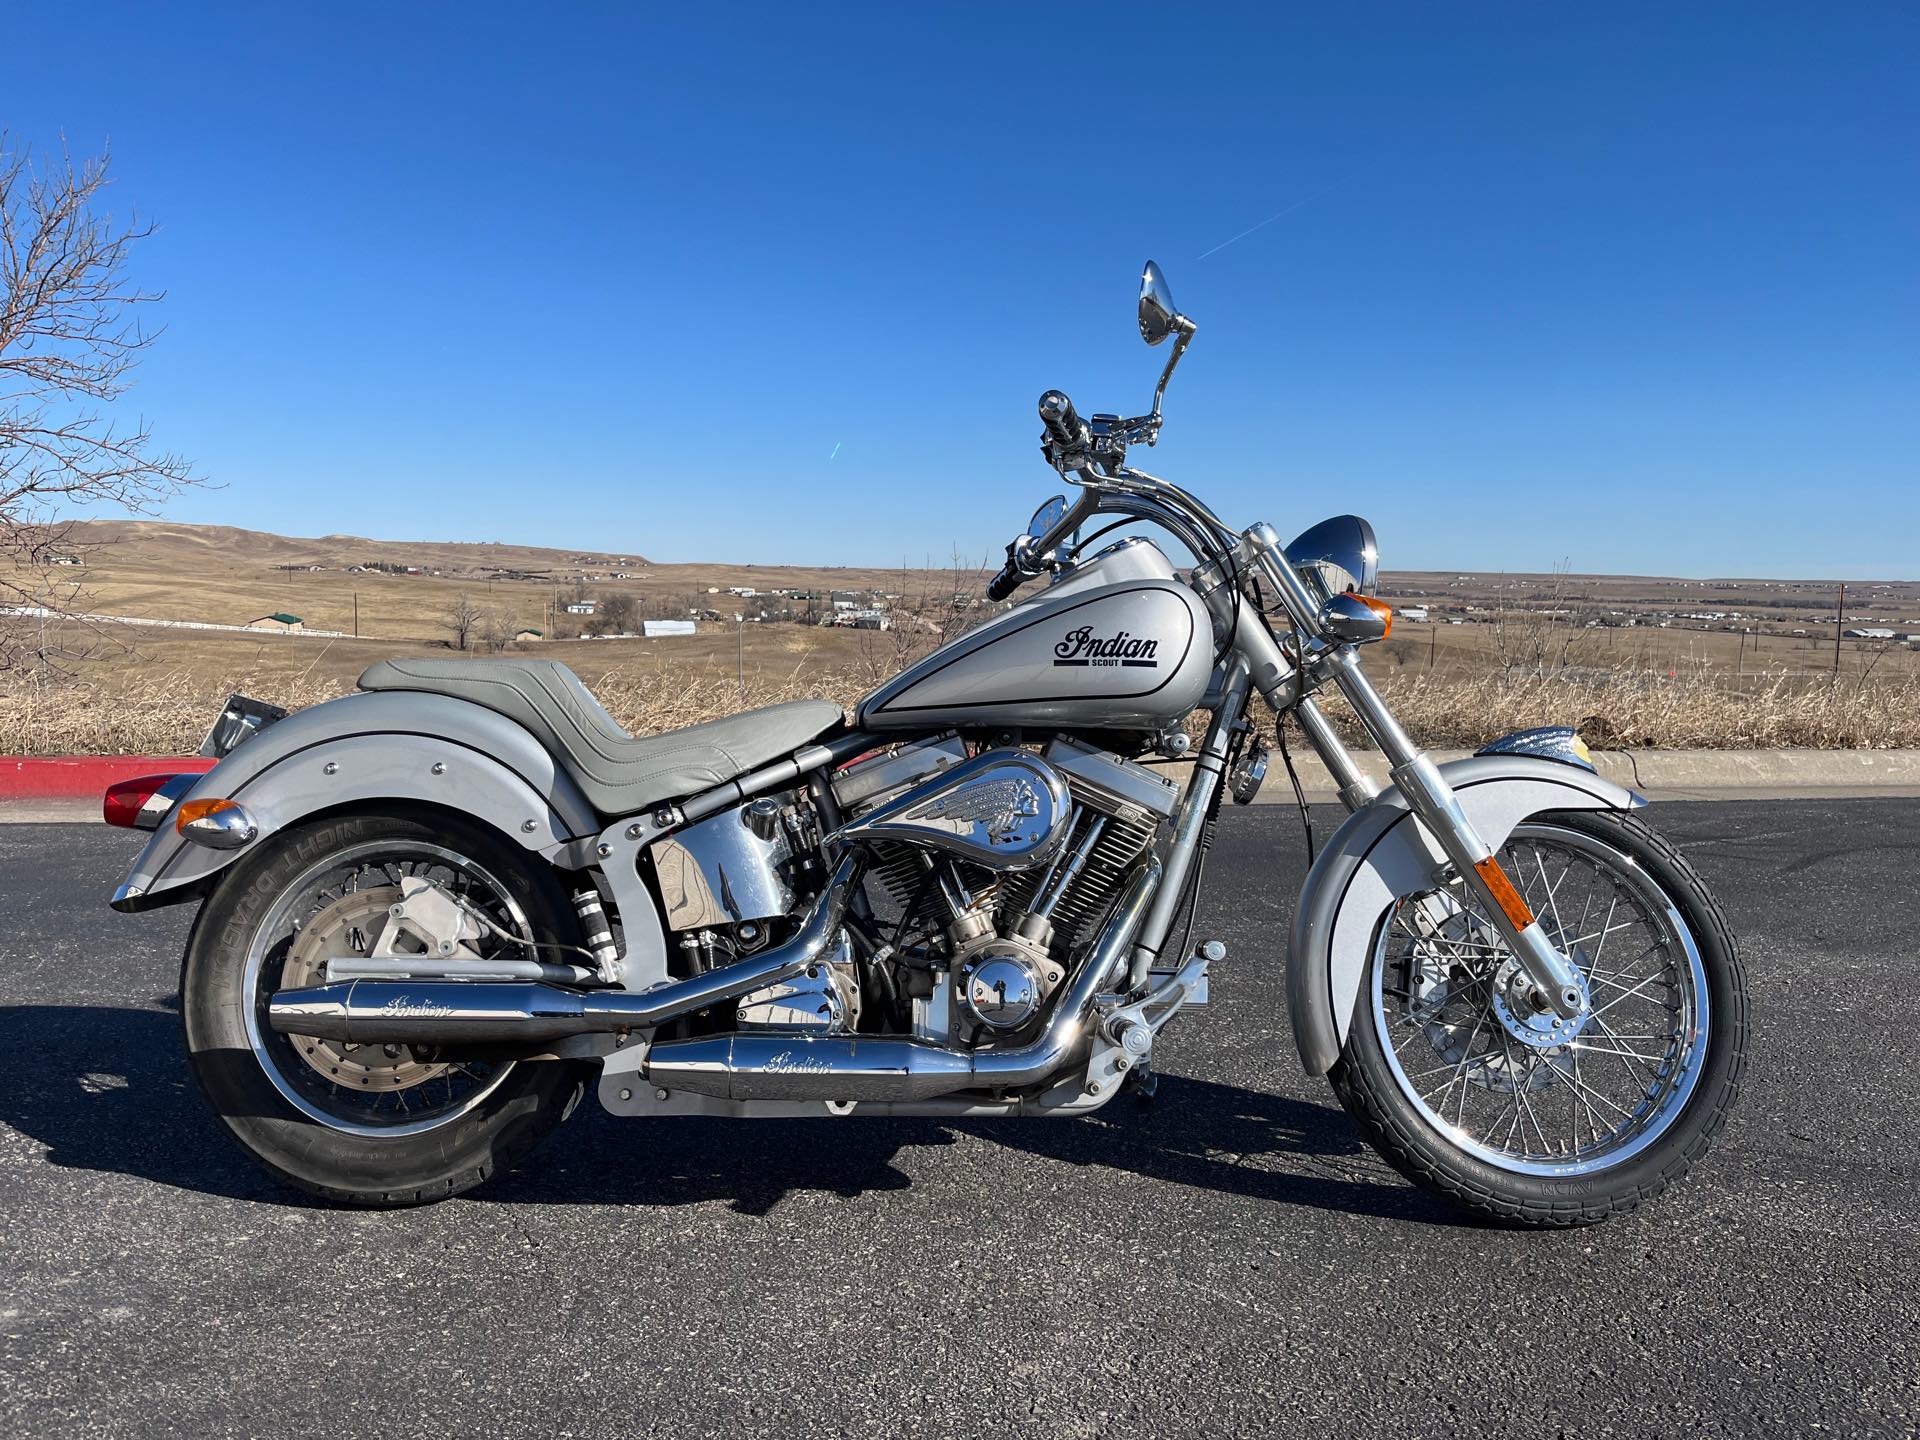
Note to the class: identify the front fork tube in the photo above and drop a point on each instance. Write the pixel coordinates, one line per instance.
(1209, 772)
(1553, 975)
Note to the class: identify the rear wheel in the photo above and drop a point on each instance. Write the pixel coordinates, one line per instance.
(1467, 1086)
(371, 1124)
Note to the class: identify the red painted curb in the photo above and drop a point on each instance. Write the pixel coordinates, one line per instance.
(73, 777)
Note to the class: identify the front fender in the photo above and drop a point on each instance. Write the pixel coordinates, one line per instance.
(1382, 853)
(385, 746)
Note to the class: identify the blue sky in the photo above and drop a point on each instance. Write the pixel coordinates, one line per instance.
(1632, 288)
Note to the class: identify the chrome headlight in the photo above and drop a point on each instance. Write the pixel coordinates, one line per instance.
(1337, 556)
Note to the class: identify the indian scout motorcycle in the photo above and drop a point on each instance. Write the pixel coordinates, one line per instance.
(433, 912)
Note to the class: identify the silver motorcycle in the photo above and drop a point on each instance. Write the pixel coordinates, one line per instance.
(434, 912)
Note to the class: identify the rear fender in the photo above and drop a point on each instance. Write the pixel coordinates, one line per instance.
(390, 746)
(1381, 854)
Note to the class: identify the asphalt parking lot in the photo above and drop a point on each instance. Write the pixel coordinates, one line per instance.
(1227, 1261)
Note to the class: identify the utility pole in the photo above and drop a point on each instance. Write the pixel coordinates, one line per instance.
(740, 628)
(1839, 619)
(356, 614)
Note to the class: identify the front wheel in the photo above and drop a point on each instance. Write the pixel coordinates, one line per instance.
(1465, 1086)
(364, 1124)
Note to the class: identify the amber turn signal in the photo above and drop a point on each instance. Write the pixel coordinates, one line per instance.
(194, 810)
(1380, 608)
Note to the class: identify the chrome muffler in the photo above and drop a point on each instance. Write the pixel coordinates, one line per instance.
(880, 1067)
(444, 1012)
(450, 1012)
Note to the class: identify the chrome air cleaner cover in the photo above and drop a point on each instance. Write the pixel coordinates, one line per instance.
(1006, 809)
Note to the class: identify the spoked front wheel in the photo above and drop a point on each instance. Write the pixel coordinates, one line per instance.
(1467, 1085)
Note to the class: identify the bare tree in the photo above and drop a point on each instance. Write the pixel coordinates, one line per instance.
(460, 620)
(70, 332)
(932, 608)
(616, 613)
(498, 630)
(1540, 637)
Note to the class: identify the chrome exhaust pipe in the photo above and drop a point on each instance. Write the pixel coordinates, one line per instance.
(878, 1067)
(444, 1012)
(800, 1067)
(436, 1012)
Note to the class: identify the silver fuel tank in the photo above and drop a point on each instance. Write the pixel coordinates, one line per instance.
(1117, 644)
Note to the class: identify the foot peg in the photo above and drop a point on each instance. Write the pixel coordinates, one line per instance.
(1123, 1041)
(1209, 952)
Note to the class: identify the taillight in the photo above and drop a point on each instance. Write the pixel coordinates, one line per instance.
(143, 803)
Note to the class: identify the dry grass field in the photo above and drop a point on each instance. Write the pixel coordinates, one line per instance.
(1537, 649)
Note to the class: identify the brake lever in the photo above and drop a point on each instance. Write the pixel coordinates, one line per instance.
(1110, 435)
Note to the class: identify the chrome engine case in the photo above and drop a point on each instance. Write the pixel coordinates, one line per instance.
(822, 1000)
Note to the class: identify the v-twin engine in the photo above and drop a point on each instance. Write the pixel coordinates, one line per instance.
(996, 926)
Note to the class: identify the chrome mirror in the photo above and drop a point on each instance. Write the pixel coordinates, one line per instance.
(1051, 512)
(1337, 556)
(1158, 318)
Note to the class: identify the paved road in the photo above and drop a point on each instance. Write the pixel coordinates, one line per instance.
(1227, 1262)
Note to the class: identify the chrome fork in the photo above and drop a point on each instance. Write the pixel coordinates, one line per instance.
(1554, 978)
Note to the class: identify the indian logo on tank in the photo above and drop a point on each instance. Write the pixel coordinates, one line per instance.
(1083, 647)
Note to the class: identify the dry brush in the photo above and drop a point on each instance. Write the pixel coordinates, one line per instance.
(1634, 708)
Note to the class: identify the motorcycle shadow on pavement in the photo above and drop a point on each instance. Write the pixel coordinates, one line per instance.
(107, 1089)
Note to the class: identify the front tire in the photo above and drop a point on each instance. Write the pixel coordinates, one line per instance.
(372, 1126)
(1465, 1091)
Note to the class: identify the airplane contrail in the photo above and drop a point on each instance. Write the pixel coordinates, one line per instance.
(1279, 215)
(836, 448)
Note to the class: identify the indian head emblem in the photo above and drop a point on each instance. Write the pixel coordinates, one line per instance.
(997, 805)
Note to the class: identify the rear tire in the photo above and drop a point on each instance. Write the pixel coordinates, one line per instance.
(1546, 1190)
(345, 1158)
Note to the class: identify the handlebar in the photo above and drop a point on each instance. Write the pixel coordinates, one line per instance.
(1105, 486)
(1063, 423)
(1006, 582)
(1068, 435)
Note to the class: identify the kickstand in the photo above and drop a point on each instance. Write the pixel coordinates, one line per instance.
(1143, 1083)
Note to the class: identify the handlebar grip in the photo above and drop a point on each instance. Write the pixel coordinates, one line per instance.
(1062, 422)
(1004, 584)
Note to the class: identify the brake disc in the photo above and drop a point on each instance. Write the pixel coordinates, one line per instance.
(351, 924)
(1462, 1011)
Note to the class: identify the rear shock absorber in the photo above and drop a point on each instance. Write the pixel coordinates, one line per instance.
(599, 933)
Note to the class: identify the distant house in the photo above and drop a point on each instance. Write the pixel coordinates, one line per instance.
(582, 607)
(279, 621)
(66, 559)
(521, 637)
(1870, 632)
